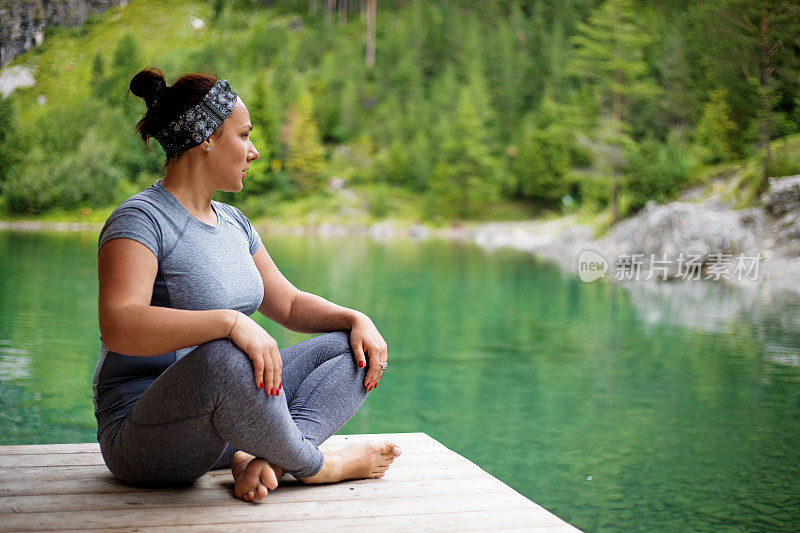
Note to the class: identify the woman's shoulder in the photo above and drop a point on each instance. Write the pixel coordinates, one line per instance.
(137, 218)
(147, 214)
(145, 200)
(241, 221)
(231, 211)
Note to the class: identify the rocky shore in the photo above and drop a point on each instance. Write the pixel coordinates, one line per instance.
(757, 247)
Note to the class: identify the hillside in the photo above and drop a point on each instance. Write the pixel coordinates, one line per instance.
(473, 111)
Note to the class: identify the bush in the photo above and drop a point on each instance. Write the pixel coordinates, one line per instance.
(87, 177)
(658, 171)
(715, 133)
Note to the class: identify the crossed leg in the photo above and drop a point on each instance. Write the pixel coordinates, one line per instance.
(179, 427)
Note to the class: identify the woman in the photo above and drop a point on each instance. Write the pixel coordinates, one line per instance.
(186, 381)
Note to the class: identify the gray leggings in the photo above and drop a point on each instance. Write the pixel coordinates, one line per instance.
(206, 406)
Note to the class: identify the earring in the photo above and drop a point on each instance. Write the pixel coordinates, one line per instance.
(207, 148)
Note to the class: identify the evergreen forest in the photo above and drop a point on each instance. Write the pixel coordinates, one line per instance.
(431, 111)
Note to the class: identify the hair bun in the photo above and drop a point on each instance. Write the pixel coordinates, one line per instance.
(147, 84)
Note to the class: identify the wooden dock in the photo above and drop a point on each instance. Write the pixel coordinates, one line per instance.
(427, 488)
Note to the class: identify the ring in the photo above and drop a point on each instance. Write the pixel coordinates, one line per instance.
(384, 365)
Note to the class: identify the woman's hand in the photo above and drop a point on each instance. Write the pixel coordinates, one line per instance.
(262, 350)
(365, 339)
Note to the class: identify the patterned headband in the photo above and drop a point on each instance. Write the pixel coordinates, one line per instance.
(195, 125)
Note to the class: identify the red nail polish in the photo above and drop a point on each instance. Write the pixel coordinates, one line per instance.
(260, 385)
(280, 385)
(361, 364)
(272, 392)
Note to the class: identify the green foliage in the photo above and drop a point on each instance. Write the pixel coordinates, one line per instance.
(715, 134)
(609, 59)
(784, 162)
(304, 151)
(264, 117)
(465, 174)
(468, 103)
(609, 56)
(125, 62)
(86, 177)
(542, 169)
(658, 171)
(98, 71)
(8, 130)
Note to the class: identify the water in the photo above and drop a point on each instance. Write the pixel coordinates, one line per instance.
(653, 407)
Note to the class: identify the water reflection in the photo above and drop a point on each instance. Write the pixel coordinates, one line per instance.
(680, 402)
(772, 317)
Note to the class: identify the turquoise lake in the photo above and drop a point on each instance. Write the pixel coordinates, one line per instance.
(653, 407)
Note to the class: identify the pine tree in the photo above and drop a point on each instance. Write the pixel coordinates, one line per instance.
(8, 128)
(125, 63)
(763, 36)
(349, 111)
(98, 73)
(305, 154)
(466, 173)
(609, 58)
(714, 136)
(541, 168)
(264, 117)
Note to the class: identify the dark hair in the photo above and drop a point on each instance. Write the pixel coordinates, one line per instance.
(165, 103)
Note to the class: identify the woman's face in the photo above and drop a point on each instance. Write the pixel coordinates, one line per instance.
(232, 152)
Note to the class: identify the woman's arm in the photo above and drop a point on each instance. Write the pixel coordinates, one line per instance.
(297, 310)
(126, 271)
(307, 313)
(130, 325)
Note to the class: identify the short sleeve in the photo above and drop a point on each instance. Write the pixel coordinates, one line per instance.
(253, 238)
(132, 223)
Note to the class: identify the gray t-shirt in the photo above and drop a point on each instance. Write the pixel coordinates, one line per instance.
(199, 267)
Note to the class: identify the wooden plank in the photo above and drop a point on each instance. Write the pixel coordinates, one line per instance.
(446, 468)
(414, 461)
(223, 492)
(264, 511)
(31, 449)
(94, 458)
(429, 488)
(87, 457)
(57, 459)
(106, 484)
(505, 520)
(335, 440)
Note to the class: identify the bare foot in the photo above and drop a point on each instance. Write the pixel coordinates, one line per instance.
(253, 476)
(362, 460)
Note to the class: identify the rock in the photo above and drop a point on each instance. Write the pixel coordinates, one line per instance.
(22, 24)
(782, 200)
(790, 230)
(418, 231)
(783, 195)
(752, 219)
(13, 77)
(673, 233)
(382, 231)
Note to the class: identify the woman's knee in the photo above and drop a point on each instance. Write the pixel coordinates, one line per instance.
(220, 357)
(336, 343)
